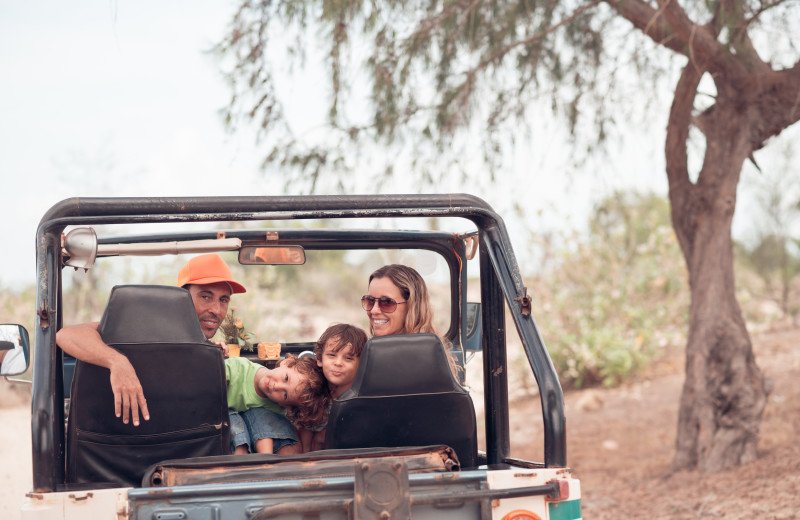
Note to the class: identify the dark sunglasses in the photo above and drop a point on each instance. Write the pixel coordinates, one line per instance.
(387, 305)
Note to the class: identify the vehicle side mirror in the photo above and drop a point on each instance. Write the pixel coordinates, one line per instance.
(14, 349)
(473, 341)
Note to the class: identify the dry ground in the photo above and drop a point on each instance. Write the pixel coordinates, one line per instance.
(621, 444)
(15, 447)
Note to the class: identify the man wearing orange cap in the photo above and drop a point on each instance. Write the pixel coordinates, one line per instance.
(210, 282)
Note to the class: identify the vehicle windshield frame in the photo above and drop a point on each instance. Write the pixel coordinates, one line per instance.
(502, 290)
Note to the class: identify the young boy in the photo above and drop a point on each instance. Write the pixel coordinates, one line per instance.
(258, 397)
(338, 351)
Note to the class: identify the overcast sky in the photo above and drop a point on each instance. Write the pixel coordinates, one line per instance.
(110, 98)
(105, 98)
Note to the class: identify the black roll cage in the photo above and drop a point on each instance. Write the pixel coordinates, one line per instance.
(501, 286)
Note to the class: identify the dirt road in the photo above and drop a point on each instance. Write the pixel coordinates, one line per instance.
(15, 458)
(621, 444)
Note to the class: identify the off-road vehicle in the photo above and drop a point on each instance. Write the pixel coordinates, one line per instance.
(405, 442)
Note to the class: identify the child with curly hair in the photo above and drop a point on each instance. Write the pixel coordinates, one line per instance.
(259, 399)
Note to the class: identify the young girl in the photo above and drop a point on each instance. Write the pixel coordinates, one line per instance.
(338, 351)
(258, 399)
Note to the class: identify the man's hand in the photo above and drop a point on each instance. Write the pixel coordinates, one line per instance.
(128, 394)
(223, 346)
(84, 342)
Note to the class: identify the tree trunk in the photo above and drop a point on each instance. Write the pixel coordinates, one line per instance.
(724, 392)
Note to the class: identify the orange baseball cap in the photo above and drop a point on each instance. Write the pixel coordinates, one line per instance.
(208, 269)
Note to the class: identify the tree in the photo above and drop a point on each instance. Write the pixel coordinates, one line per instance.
(441, 71)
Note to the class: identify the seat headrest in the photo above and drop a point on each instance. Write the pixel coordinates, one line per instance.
(420, 358)
(150, 314)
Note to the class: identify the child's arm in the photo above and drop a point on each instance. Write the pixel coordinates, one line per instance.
(306, 439)
(311, 440)
(319, 440)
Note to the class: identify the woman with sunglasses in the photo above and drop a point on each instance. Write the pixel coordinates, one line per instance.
(397, 302)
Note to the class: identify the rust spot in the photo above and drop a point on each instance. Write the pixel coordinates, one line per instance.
(446, 476)
(159, 492)
(563, 491)
(44, 315)
(315, 484)
(524, 302)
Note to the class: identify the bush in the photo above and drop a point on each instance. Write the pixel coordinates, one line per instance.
(614, 300)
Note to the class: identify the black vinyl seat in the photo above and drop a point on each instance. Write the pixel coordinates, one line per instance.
(404, 394)
(183, 379)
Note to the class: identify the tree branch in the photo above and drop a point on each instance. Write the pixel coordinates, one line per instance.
(650, 22)
(733, 17)
(487, 60)
(778, 101)
(532, 38)
(423, 32)
(794, 113)
(703, 47)
(680, 187)
(766, 6)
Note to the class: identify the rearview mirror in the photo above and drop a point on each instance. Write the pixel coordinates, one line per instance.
(272, 255)
(14, 350)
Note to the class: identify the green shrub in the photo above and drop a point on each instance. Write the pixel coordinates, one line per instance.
(616, 299)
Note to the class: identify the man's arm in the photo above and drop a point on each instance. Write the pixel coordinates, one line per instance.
(83, 342)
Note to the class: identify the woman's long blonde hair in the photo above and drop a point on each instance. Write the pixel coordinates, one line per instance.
(419, 317)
